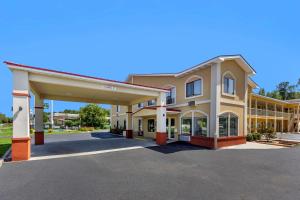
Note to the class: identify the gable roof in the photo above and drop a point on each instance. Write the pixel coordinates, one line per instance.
(238, 58)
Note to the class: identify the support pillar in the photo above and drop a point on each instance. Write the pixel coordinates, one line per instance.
(298, 119)
(282, 119)
(266, 115)
(161, 134)
(255, 115)
(129, 132)
(21, 129)
(275, 121)
(215, 102)
(38, 122)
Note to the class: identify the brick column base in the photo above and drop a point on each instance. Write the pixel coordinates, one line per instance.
(129, 134)
(161, 138)
(39, 138)
(20, 149)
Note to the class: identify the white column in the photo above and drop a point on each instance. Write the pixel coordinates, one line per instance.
(298, 120)
(266, 115)
(282, 119)
(255, 115)
(215, 102)
(161, 114)
(21, 111)
(129, 131)
(246, 106)
(275, 117)
(250, 114)
(38, 122)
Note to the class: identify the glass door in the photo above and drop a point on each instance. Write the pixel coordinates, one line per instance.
(170, 124)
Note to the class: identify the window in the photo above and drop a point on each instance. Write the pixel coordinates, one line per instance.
(140, 125)
(200, 126)
(151, 102)
(171, 95)
(194, 123)
(228, 125)
(118, 108)
(229, 84)
(124, 125)
(186, 126)
(194, 88)
(117, 124)
(151, 125)
(140, 105)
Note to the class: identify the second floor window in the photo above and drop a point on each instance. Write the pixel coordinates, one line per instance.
(171, 95)
(229, 85)
(140, 105)
(194, 88)
(118, 108)
(151, 102)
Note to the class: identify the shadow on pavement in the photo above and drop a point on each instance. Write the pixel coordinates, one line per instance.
(101, 135)
(176, 147)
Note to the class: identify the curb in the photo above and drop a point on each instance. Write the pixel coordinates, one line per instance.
(4, 156)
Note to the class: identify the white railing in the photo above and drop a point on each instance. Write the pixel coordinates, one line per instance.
(269, 113)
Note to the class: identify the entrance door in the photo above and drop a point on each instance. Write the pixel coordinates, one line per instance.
(170, 123)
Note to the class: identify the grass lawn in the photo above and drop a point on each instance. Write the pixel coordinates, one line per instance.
(4, 145)
(6, 131)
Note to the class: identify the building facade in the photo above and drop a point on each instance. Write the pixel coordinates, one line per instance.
(211, 104)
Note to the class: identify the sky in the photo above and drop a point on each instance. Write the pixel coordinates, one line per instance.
(111, 39)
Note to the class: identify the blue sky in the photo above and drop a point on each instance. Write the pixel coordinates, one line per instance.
(113, 38)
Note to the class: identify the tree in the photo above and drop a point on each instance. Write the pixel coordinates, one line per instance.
(71, 111)
(274, 94)
(93, 116)
(262, 92)
(4, 119)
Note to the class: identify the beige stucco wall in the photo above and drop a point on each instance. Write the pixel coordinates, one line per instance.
(239, 74)
(179, 83)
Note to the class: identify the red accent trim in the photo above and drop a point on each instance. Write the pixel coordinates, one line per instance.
(19, 94)
(79, 75)
(39, 107)
(161, 138)
(208, 142)
(230, 141)
(20, 149)
(155, 107)
(129, 134)
(39, 138)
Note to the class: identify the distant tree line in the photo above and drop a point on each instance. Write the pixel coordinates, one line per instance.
(4, 119)
(284, 91)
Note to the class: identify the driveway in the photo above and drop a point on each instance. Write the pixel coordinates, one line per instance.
(174, 171)
(65, 145)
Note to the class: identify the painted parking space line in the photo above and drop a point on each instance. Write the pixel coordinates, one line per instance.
(89, 153)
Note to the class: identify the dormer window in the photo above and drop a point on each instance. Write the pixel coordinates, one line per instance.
(194, 88)
(229, 84)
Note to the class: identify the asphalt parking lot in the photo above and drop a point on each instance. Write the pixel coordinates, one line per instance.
(174, 171)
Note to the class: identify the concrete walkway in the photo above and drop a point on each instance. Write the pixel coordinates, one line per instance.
(253, 145)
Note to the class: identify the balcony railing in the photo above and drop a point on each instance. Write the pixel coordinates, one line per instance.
(269, 113)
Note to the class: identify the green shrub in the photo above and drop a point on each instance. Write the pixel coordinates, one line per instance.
(256, 136)
(50, 130)
(87, 128)
(31, 131)
(249, 137)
